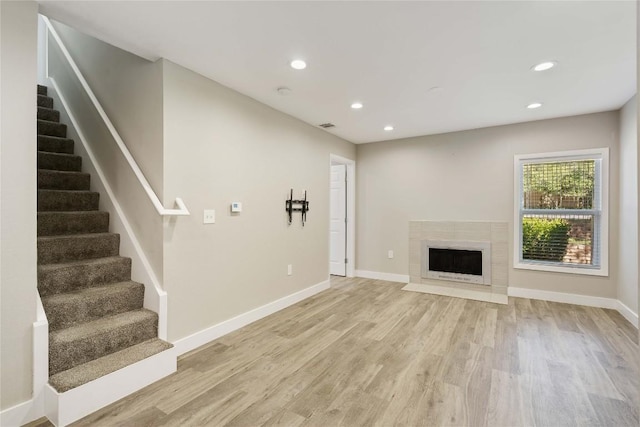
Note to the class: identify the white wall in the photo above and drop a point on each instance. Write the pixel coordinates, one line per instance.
(18, 278)
(220, 147)
(628, 215)
(467, 176)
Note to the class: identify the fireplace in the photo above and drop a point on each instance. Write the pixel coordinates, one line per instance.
(459, 261)
(455, 270)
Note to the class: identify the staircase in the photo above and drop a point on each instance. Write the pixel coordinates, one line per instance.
(97, 323)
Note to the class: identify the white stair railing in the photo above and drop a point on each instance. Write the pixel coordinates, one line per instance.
(182, 208)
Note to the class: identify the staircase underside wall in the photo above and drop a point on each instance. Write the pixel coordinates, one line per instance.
(139, 125)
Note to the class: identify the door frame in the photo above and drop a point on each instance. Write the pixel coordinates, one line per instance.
(334, 159)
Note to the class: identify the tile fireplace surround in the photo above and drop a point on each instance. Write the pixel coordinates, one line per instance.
(497, 233)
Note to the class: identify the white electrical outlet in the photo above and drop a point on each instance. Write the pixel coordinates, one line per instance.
(289, 270)
(209, 216)
(390, 254)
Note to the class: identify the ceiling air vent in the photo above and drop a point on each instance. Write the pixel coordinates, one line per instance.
(327, 125)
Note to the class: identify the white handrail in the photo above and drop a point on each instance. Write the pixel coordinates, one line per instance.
(182, 209)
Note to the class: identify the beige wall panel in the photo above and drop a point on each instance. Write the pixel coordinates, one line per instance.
(468, 176)
(628, 216)
(18, 279)
(222, 147)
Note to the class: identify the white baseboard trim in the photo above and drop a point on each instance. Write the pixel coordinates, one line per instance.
(458, 293)
(589, 301)
(577, 299)
(64, 408)
(19, 415)
(40, 361)
(33, 409)
(627, 313)
(389, 277)
(205, 336)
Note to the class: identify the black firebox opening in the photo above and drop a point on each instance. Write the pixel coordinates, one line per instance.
(455, 261)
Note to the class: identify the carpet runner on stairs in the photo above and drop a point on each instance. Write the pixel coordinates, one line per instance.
(97, 323)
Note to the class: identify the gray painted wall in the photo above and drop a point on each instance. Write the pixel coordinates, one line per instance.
(220, 147)
(467, 176)
(18, 280)
(628, 220)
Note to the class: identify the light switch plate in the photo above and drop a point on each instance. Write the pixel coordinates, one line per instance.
(209, 216)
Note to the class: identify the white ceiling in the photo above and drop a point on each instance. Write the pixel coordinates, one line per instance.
(388, 55)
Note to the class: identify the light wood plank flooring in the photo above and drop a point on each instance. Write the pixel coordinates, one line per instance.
(367, 353)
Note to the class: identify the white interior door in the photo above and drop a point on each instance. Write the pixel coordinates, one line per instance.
(338, 226)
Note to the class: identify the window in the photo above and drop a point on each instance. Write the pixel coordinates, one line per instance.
(561, 213)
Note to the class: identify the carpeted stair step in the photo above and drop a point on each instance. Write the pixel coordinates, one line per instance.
(86, 305)
(59, 161)
(97, 323)
(45, 101)
(52, 128)
(55, 144)
(69, 276)
(82, 343)
(63, 200)
(56, 223)
(48, 114)
(58, 249)
(63, 180)
(94, 369)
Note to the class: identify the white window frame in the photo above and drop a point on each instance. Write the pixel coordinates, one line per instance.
(601, 154)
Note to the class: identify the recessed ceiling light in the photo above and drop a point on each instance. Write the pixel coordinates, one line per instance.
(388, 128)
(298, 64)
(543, 66)
(534, 105)
(356, 105)
(283, 91)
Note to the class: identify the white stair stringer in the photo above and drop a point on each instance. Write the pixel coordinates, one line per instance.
(64, 408)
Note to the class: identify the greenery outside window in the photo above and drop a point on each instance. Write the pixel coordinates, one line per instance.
(561, 212)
